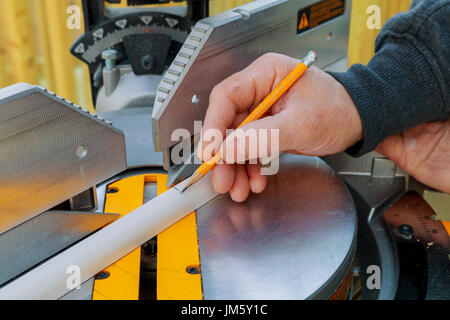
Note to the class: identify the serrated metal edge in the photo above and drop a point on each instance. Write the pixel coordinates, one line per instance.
(72, 104)
(180, 65)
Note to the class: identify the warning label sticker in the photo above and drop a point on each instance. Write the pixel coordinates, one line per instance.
(315, 15)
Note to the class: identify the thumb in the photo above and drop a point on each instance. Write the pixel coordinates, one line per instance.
(392, 147)
(257, 139)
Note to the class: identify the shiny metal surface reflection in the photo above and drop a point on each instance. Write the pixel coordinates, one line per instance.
(51, 151)
(296, 240)
(32, 242)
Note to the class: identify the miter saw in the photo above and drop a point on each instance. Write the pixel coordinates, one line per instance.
(330, 228)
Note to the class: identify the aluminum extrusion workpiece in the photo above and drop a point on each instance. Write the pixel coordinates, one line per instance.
(50, 280)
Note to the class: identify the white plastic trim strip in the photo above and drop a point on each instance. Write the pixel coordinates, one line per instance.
(95, 253)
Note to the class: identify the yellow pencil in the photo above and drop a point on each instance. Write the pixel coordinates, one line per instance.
(259, 111)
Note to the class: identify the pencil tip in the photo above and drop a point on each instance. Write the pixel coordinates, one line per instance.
(192, 179)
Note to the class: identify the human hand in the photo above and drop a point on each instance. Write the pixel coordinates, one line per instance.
(423, 152)
(315, 117)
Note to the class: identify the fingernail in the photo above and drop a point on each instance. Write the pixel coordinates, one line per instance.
(199, 151)
(252, 186)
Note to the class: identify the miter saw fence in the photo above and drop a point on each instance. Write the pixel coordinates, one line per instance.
(53, 154)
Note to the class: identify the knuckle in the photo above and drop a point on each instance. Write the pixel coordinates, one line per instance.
(276, 59)
(226, 88)
(216, 92)
(269, 57)
(231, 88)
(232, 85)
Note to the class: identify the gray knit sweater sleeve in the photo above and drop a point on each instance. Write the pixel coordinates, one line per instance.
(408, 80)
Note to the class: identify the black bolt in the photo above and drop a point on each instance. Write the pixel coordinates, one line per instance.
(147, 62)
(112, 190)
(406, 230)
(102, 275)
(192, 270)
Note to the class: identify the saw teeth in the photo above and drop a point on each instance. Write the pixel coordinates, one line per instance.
(194, 38)
(199, 29)
(162, 89)
(173, 76)
(184, 55)
(178, 63)
(169, 81)
(74, 105)
(173, 72)
(189, 47)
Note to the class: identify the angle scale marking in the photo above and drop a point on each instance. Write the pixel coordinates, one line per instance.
(80, 48)
(146, 19)
(171, 22)
(422, 220)
(121, 23)
(99, 33)
(106, 36)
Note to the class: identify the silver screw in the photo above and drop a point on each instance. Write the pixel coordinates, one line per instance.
(110, 56)
(245, 15)
(195, 99)
(329, 37)
(81, 152)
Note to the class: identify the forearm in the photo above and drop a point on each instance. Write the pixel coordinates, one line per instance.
(407, 81)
